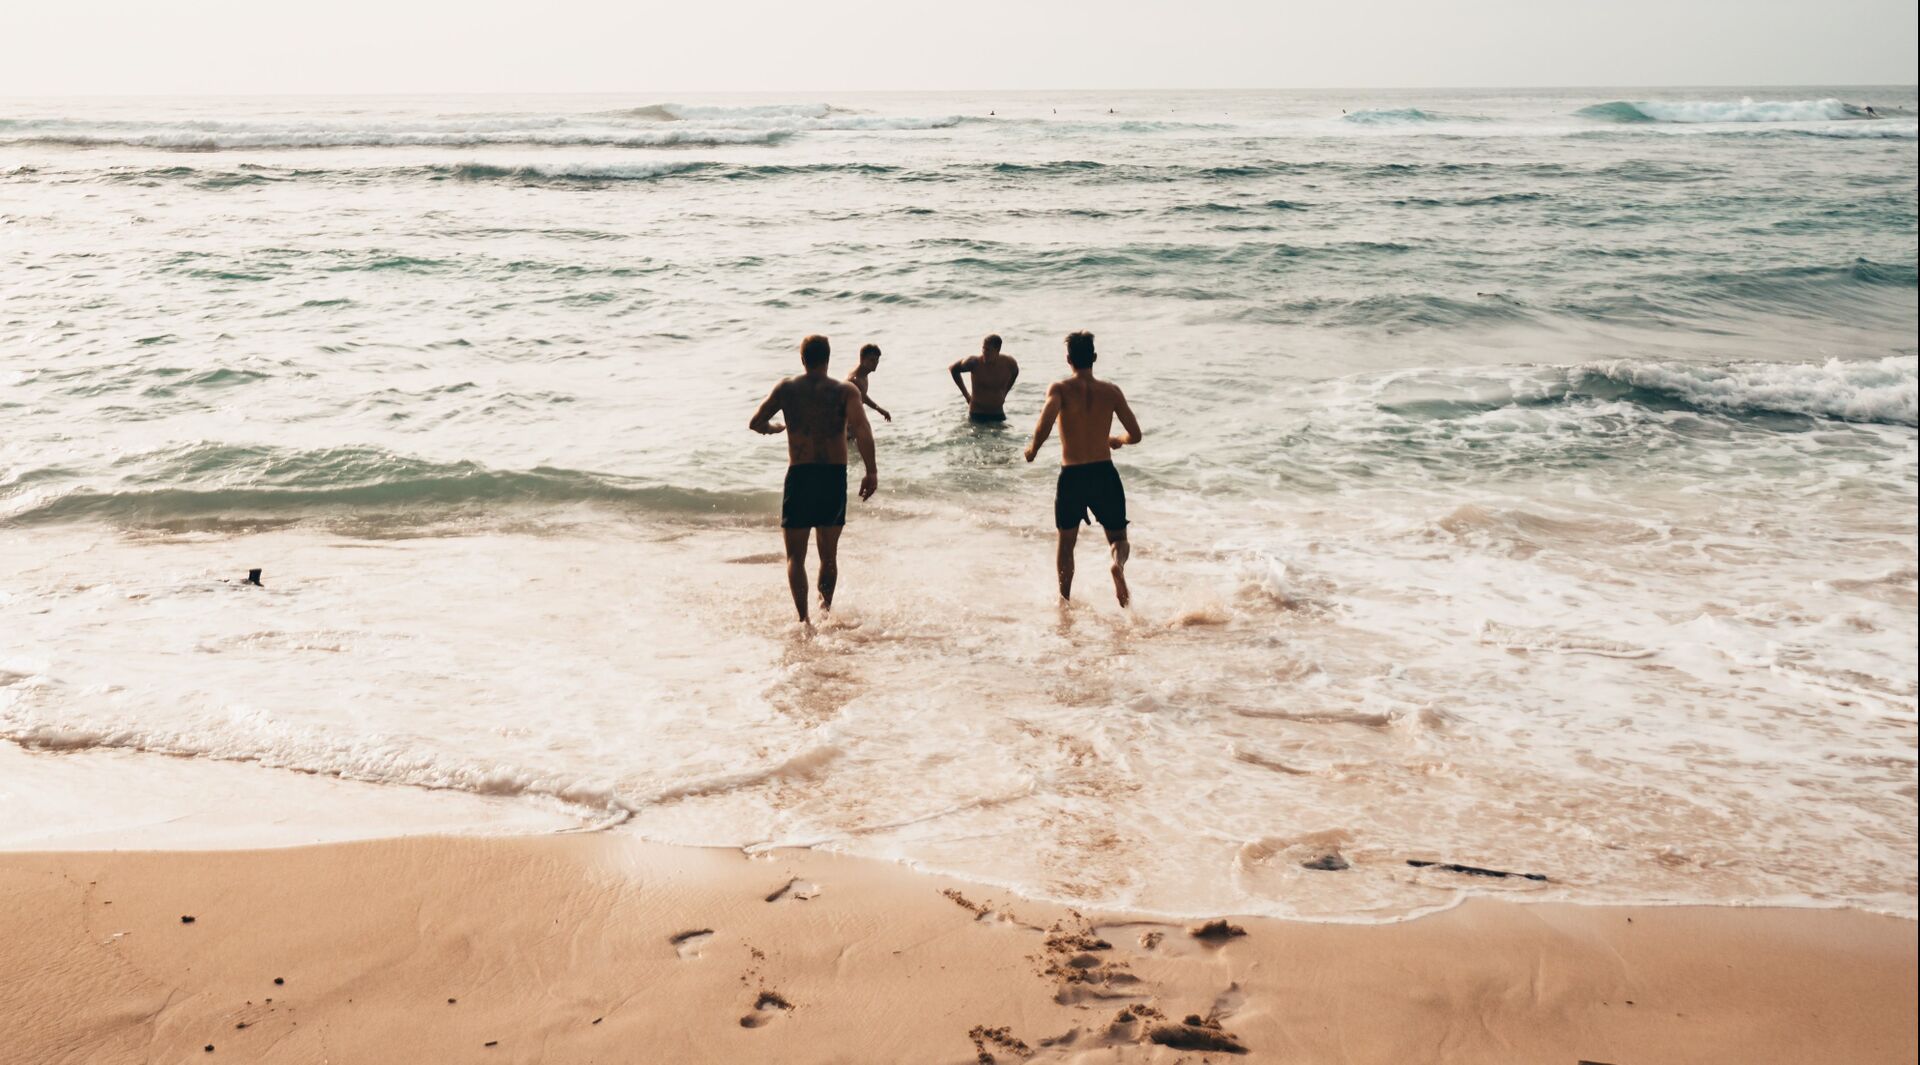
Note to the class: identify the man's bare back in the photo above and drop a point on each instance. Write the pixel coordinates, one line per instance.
(993, 377)
(1085, 407)
(816, 411)
(821, 414)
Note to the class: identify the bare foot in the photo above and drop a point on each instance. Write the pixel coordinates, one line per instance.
(1120, 591)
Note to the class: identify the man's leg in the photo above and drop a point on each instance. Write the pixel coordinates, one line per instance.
(1117, 540)
(829, 536)
(797, 568)
(1068, 537)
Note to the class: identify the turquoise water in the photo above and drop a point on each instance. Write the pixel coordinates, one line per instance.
(1499, 445)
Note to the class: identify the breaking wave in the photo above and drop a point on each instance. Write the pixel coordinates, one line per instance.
(1882, 391)
(1402, 116)
(1743, 110)
(213, 484)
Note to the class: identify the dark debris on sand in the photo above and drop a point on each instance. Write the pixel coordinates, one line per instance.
(1473, 870)
(1001, 1037)
(1197, 1033)
(1216, 931)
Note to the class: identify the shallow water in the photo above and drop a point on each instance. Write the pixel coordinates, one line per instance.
(1529, 478)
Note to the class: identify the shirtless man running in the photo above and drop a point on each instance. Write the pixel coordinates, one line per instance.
(821, 414)
(1086, 408)
(993, 377)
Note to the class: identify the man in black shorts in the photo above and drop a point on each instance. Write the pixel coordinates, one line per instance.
(822, 414)
(1088, 481)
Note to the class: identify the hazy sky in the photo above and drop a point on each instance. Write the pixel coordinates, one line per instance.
(266, 46)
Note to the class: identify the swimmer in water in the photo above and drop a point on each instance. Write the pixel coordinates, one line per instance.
(869, 362)
(993, 377)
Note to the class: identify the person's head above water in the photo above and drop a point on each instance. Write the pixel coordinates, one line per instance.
(1080, 354)
(990, 345)
(869, 356)
(814, 352)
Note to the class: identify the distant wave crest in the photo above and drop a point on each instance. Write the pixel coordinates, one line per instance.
(1403, 116)
(1743, 110)
(651, 126)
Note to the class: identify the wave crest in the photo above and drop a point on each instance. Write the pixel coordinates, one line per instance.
(1403, 116)
(218, 485)
(1743, 110)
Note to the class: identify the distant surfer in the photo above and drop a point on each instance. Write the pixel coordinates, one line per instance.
(821, 414)
(993, 377)
(1871, 113)
(1086, 408)
(869, 362)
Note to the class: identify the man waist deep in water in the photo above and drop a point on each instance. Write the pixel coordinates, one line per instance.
(993, 377)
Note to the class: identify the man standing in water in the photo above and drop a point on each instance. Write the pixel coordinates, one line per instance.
(993, 377)
(869, 362)
(1088, 482)
(821, 414)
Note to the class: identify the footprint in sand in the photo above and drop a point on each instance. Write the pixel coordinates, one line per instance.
(797, 890)
(687, 944)
(769, 1006)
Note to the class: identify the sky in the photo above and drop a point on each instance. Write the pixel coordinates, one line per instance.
(63, 47)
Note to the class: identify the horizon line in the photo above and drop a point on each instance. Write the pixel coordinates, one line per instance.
(228, 94)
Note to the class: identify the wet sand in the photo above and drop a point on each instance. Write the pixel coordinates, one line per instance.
(594, 948)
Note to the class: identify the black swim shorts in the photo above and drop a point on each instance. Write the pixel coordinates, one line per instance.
(1090, 486)
(986, 417)
(816, 495)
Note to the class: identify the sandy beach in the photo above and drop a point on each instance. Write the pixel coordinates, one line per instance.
(598, 948)
(1493, 637)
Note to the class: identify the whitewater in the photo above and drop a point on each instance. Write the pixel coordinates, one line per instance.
(1529, 483)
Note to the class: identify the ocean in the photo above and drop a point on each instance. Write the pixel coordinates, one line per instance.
(1529, 480)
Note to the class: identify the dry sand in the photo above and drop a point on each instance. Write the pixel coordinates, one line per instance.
(595, 948)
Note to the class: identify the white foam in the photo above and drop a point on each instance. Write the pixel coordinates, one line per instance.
(1872, 390)
(1745, 109)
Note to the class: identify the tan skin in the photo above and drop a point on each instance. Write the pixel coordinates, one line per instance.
(1086, 408)
(821, 414)
(858, 379)
(993, 377)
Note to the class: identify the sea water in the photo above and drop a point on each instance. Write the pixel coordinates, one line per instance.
(1529, 478)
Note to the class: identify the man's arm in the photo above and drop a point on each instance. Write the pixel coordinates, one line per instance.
(763, 418)
(1047, 414)
(868, 400)
(958, 368)
(863, 439)
(1127, 420)
(1015, 376)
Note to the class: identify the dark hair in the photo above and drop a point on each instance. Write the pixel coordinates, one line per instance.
(814, 351)
(991, 343)
(869, 349)
(1080, 350)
